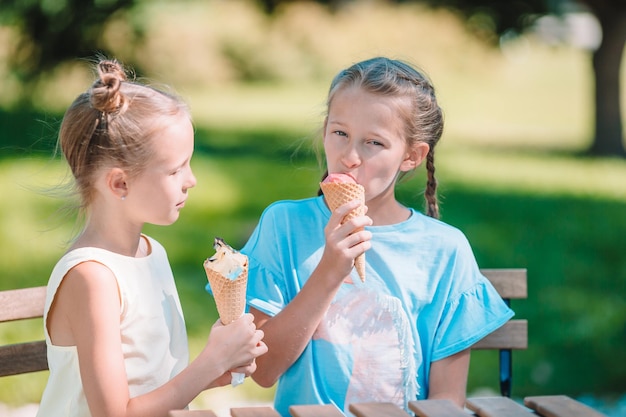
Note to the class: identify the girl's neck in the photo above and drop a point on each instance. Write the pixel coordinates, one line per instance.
(391, 212)
(385, 210)
(127, 243)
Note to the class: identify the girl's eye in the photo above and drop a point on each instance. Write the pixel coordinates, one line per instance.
(376, 143)
(340, 133)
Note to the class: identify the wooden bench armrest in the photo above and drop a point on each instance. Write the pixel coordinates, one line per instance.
(560, 406)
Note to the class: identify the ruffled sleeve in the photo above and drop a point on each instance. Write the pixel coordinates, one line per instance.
(469, 317)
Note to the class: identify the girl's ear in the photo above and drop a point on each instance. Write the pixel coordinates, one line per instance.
(414, 157)
(116, 182)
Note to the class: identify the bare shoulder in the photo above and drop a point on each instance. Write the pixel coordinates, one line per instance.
(87, 278)
(87, 293)
(88, 287)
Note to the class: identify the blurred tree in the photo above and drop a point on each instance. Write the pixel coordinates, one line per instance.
(606, 66)
(53, 31)
(491, 19)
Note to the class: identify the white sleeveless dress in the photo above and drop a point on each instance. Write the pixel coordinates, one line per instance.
(154, 339)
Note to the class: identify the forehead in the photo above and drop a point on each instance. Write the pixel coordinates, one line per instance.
(358, 96)
(173, 139)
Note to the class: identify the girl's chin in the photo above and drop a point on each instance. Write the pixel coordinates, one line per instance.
(171, 220)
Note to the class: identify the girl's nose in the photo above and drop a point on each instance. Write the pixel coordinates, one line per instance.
(191, 181)
(351, 157)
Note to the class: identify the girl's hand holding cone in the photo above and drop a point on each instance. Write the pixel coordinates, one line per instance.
(338, 190)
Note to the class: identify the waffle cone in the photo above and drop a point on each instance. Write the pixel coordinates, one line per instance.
(339, 193)
(230, 295)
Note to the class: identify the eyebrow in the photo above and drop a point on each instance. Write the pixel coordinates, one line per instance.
(185, 162)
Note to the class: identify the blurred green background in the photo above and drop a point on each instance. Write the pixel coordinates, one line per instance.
(510, 166)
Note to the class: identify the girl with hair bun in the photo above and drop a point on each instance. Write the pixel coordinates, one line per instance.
(114, 327)
(405, 332)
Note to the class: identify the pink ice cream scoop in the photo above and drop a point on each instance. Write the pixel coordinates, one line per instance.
(339, 177)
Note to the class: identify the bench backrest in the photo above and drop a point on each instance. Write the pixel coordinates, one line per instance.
(25, 357)
(510, 284)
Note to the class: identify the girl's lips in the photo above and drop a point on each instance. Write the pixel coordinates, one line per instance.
(340, 177)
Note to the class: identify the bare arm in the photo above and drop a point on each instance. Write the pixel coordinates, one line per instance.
(288, 333)
(86, 315)
(448, 378)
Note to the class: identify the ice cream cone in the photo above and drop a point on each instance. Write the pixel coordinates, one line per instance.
(230, 299)
(339, 193)
(230, 295)
(227, 272)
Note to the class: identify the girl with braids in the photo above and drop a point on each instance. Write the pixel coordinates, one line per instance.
(114, 327)
(405, 332)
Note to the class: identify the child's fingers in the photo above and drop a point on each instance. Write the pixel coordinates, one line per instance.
(342, 211)
(337, 215)
(346, 208)
(362, 236)
(245, 369)
(260, 348)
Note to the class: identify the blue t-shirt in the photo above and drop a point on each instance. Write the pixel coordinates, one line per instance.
(423, 299)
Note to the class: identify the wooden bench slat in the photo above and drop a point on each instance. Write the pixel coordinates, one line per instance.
(560, 406)
(21, 358)
(510, 282)
(25, 303)
(496, 407)
(191, 413)
(377, 410)
(436, 408)
(315, 410)
(512, 335)
(262, 411)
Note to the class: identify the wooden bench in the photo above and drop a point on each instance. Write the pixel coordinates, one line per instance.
(544, 406)
(21, 358)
